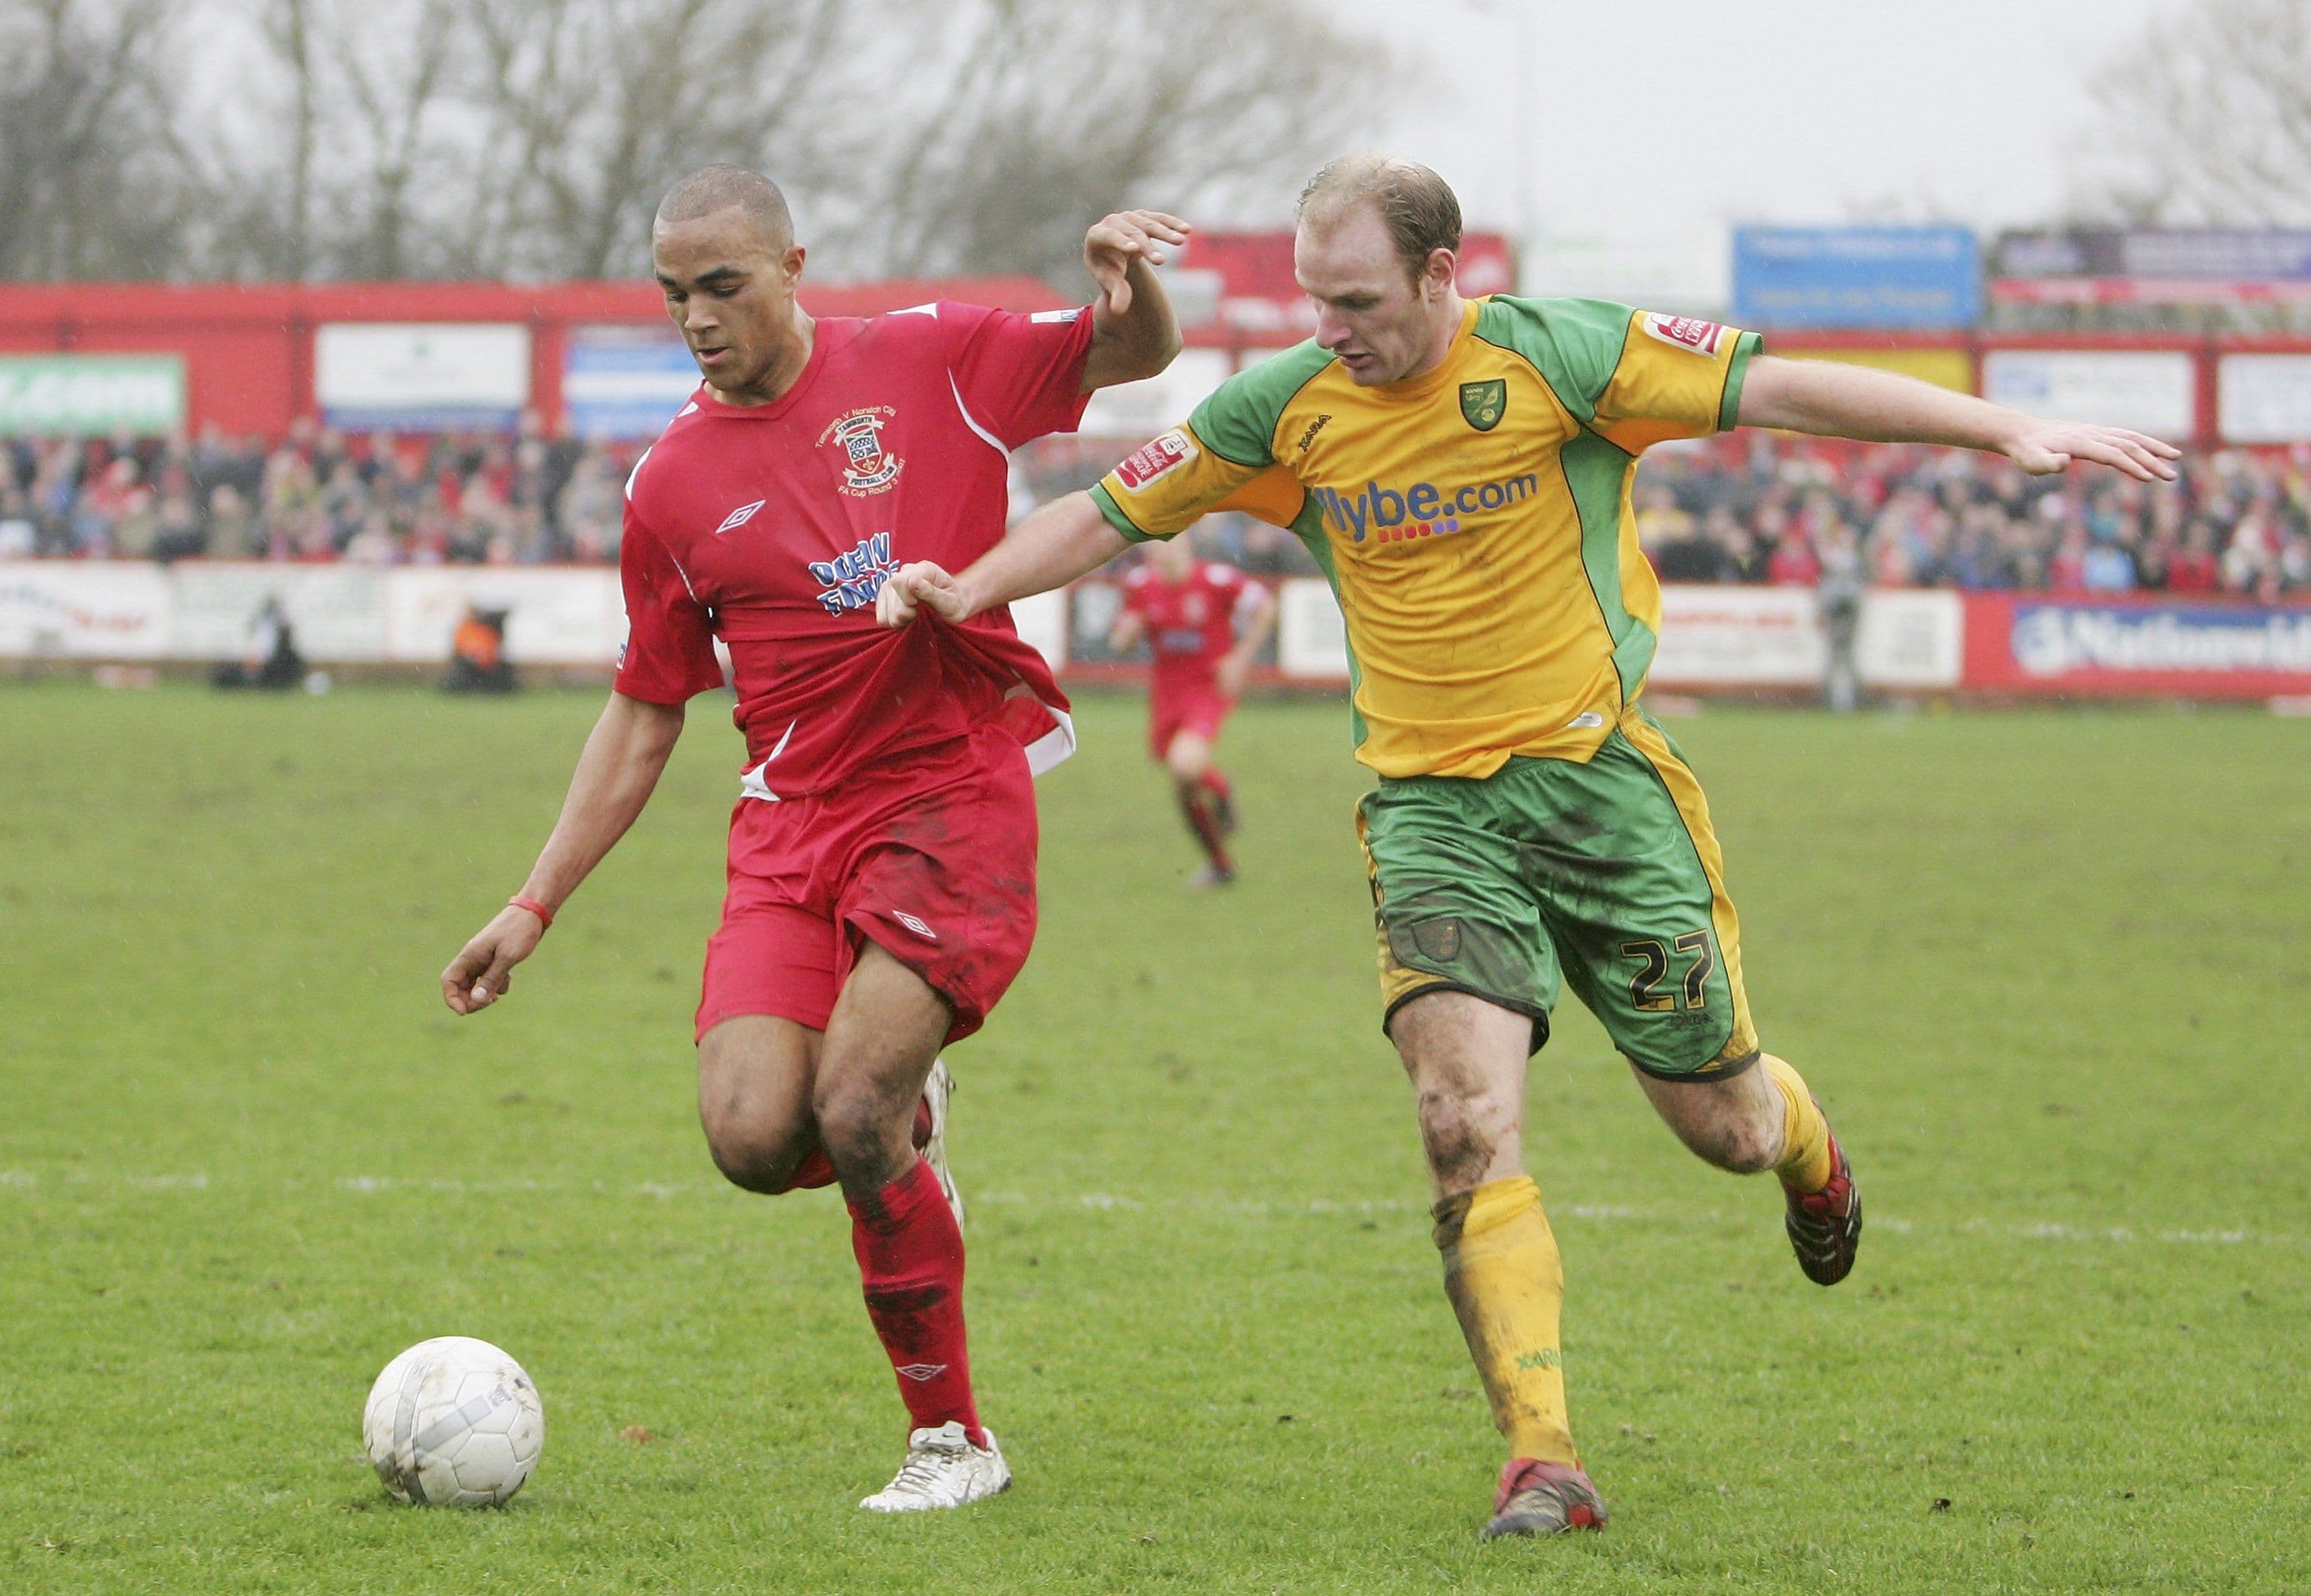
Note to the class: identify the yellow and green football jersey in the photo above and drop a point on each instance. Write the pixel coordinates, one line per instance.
(1474, 520)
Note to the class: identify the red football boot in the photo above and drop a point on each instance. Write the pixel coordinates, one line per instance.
(1538, 1498)
(1824, 1227)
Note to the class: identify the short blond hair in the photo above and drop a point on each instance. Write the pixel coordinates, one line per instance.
(1418, 208)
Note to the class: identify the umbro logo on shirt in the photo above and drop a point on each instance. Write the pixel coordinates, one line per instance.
(739, 517)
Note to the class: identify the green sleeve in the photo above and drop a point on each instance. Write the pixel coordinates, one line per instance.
(1575, 345)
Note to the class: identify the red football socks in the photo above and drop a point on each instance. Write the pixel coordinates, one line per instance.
(911, 1263)
(1197, 803)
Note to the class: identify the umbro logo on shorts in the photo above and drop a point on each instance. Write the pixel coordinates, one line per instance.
(739, 517)
(914, 924)
(922, 1372)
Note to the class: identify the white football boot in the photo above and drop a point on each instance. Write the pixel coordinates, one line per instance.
(936, 1090)
(943, 1469)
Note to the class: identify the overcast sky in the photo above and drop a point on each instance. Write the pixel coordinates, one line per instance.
(1652, 125)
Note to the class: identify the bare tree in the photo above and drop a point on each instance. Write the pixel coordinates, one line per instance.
(2207, 118)
(597, 106)
(93, 180)
(1035, 116)
(532, 138)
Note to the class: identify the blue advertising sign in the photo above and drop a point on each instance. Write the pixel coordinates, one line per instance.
(1913, 278)
(624, 381)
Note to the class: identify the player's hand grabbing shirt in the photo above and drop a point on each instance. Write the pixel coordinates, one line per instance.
(1474, 520)
(771, 528)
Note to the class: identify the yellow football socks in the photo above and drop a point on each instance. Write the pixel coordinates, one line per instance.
(1502, 1272)
(1805, 1163)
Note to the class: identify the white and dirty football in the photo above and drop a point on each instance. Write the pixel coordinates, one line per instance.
(454, 1422)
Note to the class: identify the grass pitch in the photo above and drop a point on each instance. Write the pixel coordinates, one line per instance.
(2047, 971)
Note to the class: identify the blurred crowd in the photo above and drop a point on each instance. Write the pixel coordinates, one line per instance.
(319, 495)
(1747, 508)
(1769, 508)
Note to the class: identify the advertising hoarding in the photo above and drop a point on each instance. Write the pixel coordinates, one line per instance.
(2263, 398)
(2152, 391)
(92, 396)
(2135, 647)
(1917, 278)
(624, 382)
(2244, 253)
(1952, 369)
(407, 376)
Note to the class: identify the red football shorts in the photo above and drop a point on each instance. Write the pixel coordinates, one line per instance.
(1197, 707)
(931, 855)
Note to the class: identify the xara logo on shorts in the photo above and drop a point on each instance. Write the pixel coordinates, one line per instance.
(1424, 509)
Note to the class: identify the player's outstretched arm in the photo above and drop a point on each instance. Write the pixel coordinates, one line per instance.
(1134, 333)
(1051, 548)
(625, 755)
(1841, 401)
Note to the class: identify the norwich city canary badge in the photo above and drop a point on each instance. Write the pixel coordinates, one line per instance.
(1483, 403)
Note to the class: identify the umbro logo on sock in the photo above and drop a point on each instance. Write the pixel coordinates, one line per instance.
(922, 1372)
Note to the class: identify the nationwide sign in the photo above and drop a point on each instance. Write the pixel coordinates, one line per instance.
(93, 395)
(2134, 648)
(2264, 253)
(2153, 265)
(1916, 278)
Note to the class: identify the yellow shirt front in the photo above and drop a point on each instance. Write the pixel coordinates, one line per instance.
(1474, 520)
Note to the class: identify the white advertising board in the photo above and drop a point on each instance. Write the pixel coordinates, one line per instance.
(84, 610)
(1041, 619)
(336, 612)
(426, 375)
(2263, 398)
(2152, 391)
(1311, 640)
(558, 615)
(1912, 639)
(1138, 411)
(1738, 637)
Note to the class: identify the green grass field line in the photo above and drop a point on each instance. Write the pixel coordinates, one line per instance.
(2046, 969)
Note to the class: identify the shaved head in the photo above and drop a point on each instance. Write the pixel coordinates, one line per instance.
(714, 188)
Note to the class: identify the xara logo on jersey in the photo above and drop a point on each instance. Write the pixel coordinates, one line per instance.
(868, 468)
(1424, 509)
(851, 581)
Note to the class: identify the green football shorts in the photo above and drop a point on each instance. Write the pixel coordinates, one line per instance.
(1604, 875)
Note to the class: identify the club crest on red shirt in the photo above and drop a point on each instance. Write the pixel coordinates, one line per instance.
(868, 467)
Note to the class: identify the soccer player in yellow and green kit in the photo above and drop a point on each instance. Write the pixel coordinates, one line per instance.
(1461, 470)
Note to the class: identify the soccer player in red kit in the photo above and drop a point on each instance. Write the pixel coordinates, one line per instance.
(1204, 624)
(882, 852)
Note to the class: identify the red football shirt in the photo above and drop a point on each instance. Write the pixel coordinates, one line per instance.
(1191, 624)
(773, 527)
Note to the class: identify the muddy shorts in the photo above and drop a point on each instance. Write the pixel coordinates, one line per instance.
(1604, 876)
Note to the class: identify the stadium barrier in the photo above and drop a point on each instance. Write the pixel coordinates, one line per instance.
(1713, 638)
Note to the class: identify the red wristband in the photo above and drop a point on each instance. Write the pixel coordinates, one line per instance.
(534, 906)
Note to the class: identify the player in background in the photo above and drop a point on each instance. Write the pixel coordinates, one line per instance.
(1204, 624)
(1460, 470)
(882, 851)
